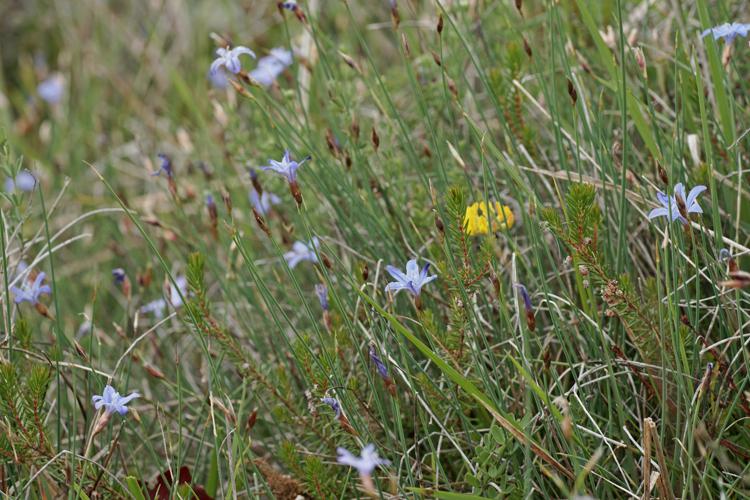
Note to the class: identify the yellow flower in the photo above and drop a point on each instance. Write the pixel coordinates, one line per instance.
(477, 222)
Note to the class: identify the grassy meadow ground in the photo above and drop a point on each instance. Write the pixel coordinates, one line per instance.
(570, 346)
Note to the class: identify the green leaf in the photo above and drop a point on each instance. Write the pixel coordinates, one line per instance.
(212, 481)
(497, 435)
(134, 488)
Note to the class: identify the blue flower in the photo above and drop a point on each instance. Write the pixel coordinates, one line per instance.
(365, 464)
(379, 365)
(293, 7)
(302, 251)
(727, 31)
(322, 292)
(51, 90)
(24, 180)
(527, 305)
(412, 281)
(158, 306)
(155, 306)
(677, 207)
(166, 166)
(334, 404)
(112, 401)
(286, 167)
(264, 202)
(271, 66)
(218, 79)
(691, 200)
(230, 59)
(119, 275)
(30, 292)
(668, 208)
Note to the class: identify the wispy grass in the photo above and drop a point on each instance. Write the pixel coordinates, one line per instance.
(625, 376)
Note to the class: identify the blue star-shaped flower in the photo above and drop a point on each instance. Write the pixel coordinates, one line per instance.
(271, 66)
(366, 463)
(727, 31)
(412, 281)
(671, 204)
(31, 291)
(302, 251)
(112, 402)
(166, 166)
(286, 167)
(230, 59)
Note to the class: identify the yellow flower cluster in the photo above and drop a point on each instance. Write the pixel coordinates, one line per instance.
(477, 218)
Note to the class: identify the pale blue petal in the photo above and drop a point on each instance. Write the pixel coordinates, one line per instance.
(412, 269)
(108, 394)
(657, 212)
(264, 75)
(346, 458)
(396, 273)
(218, 63)
(395, 286)
(38, 281)
(679, 189)
(25, 181)
(127, 399)
(233, 65)
(18, 294)
(663, 198)
(292, 259)
(694, 193)
(424, 271)
(238, 51)
(428, 280)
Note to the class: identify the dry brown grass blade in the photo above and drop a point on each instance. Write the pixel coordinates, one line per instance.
(665, 491)
(646, 462)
